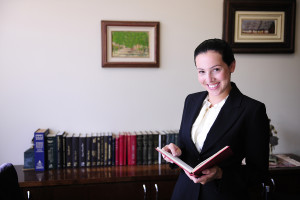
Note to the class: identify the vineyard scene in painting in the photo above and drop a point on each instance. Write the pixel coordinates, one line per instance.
(130, 44)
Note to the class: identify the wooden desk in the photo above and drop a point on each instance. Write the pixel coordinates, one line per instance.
(129, 182)
(287, 181)
(116, 182)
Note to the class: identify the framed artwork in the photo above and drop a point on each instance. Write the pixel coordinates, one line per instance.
(260, 26)
(130, 44)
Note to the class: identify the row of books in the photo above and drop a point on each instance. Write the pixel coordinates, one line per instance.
(67, 150)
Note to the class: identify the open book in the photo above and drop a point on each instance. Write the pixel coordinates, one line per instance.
(209, 162)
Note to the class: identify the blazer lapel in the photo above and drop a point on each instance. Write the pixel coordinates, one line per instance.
(228, 115)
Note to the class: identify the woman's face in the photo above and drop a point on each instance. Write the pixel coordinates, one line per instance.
(214, 74)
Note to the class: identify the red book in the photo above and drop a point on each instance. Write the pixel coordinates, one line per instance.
(121, 149)
(131, 149)
(213, 160)
(129, 161)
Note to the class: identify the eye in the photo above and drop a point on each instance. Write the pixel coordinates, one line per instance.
(217, 69)
(201, 71)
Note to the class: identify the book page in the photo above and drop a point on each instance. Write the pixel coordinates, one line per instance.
(176, 160)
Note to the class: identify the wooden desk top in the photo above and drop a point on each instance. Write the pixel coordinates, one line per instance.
(85, 175)
(112, 174)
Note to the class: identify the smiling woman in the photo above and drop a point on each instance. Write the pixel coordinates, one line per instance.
(221, 116)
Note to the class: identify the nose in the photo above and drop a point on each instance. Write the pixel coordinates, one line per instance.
(209, 77)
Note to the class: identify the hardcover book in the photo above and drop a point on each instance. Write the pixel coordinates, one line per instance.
(68, 151)
(40, 155)
(75, 150)
(215, 159)
(60, 150)
(51, 150)
(139, 148)
(82, 150)
(145, 148)
(94, 150)
(88, 150)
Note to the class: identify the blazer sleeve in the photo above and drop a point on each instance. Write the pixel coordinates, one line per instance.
(254, 147)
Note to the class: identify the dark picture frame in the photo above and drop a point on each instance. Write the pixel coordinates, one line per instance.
(240, 25)
(130, 43)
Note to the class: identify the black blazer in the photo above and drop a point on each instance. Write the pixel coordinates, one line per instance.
(243, 125)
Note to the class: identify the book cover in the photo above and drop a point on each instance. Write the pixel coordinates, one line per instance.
(150, 148)
(161, 144)
(75, 150)
(29, 159)
(88, 150)
(100, 148)
(117, 151)
(60, 151)
(121, 149)
(40, 155)
(133, 149)
(64, 149)
(82, 150)
(51, 150)
(139, 148)
(113, 150)
(69, 150)
(145, 148)
(109, 149)
(105, 149)
(155, 144)
(94, 150)
(215, 159)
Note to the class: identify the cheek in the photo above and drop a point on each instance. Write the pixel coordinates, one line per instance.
(201, 79)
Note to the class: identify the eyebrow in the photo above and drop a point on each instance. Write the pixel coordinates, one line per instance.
(212, 66)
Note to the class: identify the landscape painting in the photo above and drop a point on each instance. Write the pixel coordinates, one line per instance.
(130, 43)
(133, 44)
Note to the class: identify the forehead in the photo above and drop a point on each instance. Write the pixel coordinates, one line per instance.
(209, 59)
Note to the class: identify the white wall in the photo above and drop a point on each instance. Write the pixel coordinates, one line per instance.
(51, 74)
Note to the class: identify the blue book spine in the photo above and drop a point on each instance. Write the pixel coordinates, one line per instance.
(40, 155)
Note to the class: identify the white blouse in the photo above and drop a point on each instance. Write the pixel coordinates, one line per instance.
(204, 121)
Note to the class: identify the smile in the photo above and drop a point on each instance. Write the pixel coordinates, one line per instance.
(213, 86)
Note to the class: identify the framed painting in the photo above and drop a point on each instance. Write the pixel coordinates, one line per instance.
(130, 44)
(260, 26)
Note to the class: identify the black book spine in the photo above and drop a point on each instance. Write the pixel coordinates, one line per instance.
(145, 148)
(150, 149)
(139, 149)
(113, 150)
(109, 149)
(88, 150)
(94, 150)
(69, 151)
(82, 151)
(75, 151)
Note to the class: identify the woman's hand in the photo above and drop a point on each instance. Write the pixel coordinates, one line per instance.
(208, 175)
(173, 149)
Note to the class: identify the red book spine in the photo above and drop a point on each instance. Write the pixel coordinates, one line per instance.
(129, 160)
(125, 148)
(121, 149)
(133, 149)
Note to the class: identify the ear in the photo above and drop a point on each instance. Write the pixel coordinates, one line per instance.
(232, 67)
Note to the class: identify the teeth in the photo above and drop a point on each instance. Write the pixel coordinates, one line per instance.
(213, 86)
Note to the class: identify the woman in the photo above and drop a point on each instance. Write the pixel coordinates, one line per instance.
(215, 118)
